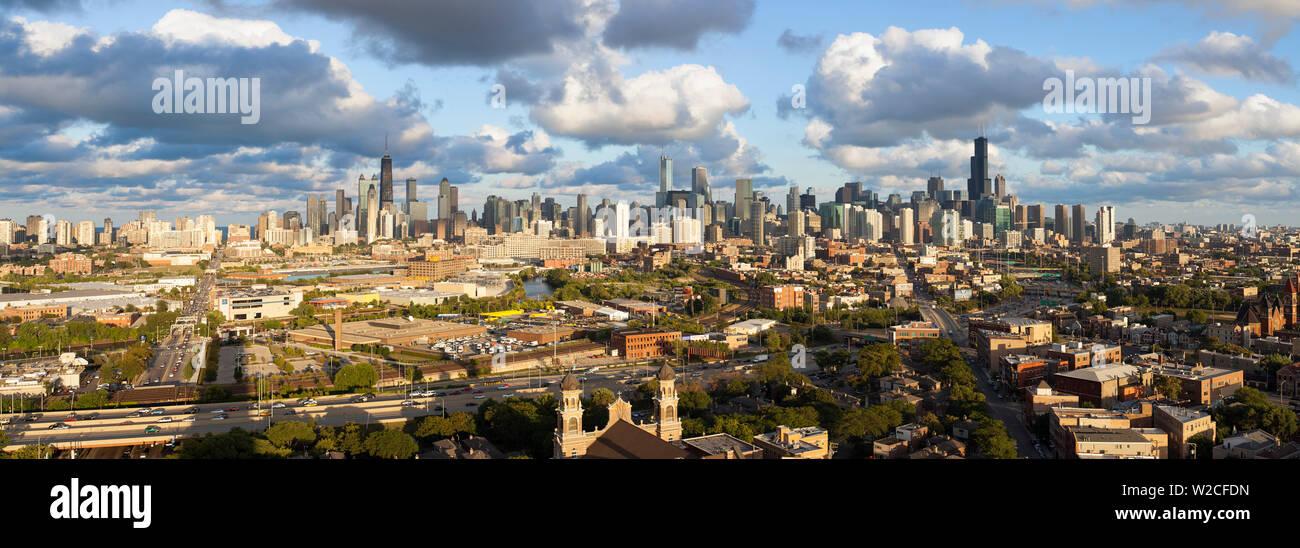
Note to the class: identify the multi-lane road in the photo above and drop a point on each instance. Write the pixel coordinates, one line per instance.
(122, 426)
(171, 353)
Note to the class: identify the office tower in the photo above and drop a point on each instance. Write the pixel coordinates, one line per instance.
(385, 178)
(700, 183)
(1061, 224)
(1077, 222)
(665, 173)
(1002, 219)
(1036, 217)
(792, 200)
(933, 187)
(893, 202)
(106, 237)
(266, 222)
(1130, 229)
(744, 197)
(372, 211)
(410, 195)
(979, 185)
(906, 227)
(340, 207)
(148, 216)
(580, 219)
(62, 232)
(85, 233)
(444, 199)
(1000, 186)
(367, 202)
(1021, 218)
(312, 210)
(1105, 225)
(455, 199)
(7, 229)
(795, 223)
(808, 200)
(756, 216)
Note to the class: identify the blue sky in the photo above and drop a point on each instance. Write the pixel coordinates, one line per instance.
(894, 91)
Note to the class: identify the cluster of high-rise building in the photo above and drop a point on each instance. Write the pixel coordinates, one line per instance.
(985, 210)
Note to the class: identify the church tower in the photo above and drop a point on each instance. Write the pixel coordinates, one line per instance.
(668, 427)
(569, 438)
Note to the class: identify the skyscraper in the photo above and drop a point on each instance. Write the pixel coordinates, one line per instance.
(385, 178)
(979, 185)
(1062, 221)
(700, 183)
(757, 222)
(410, 193)
(665, 173)
(1105, 225)
(1000, 186)
(744, 197)
(933, 187)
(372, 212)
(340, 208)
(580, 221)
(808, 200)
(792, 200)
(444, 199)
(1078, 219)
(907, 226)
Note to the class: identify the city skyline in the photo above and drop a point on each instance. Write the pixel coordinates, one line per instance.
(1218, 151)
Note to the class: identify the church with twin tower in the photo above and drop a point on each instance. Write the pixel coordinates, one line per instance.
(620, 432)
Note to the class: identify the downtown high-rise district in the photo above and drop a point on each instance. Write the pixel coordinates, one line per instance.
(983, 213)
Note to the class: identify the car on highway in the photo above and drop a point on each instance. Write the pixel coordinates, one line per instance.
(60, 426)
(480, 396)
(471, 404)
(220, 417)
(310, 403)
(188, 419)
(151, 429)
(290, 412)
(408, 403)
(165, 419)
(232, 408)
(158, 411)
(278, 405)
(191, 411)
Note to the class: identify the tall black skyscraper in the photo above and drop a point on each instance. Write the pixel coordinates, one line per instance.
(385, 178)
(979, 185)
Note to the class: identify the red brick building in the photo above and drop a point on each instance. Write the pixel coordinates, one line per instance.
(71, 263)
(637, 343)
(781, 296)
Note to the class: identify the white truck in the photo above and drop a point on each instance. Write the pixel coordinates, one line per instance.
(759, 358)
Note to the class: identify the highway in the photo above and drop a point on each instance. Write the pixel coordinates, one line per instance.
(171, 353)
(120, 426)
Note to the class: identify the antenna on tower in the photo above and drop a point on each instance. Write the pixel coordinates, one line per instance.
(385, 143)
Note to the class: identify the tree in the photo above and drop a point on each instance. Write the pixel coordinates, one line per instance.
(391, 444)
(287, 434)
(355, 375)
(1204, 446)
(438, 428)
(602, 397)
(1167, 386)
(1254, 412)
(878, 360)
(991, 440)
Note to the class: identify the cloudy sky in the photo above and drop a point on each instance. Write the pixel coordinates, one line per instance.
(512, 97)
